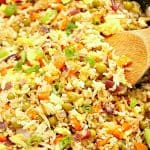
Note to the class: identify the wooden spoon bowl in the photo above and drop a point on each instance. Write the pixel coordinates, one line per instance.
(135, 45)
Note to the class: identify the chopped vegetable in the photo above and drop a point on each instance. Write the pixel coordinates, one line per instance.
(18, 66)
(57, 88)
(64, 142)
(69, 52)
(147, 136)
(133, 103)
(91, 61)
(87, 108)
(59, 61)
(2, 138)
(10, 10)
(126, 126)
(18, 139)
(62, 131)
(100, 67)
(70, 27)
(32, 69)
(140, 146)
(3, 53)
(49, 15)
(101, 143)
(76, 124)
(117, 133)
(34, 140)
(67, 107)
(53, 120)
(43, 95)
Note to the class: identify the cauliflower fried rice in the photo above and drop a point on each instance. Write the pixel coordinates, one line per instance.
(61, 85)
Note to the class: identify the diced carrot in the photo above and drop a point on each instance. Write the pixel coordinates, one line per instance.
(58, 1)
(59, 7)
(71, 73)
(42, 62)
(117, 133)
(96, 108)
(34, 16)
(2, 138)
(3, 71)
(126, 126)
(101, 143)
(58, 138)
(43, 95)
(59, 62)
(115, 147)
(49, 79)
(76, 124)
(140, 146)
(64, 23)
(25, 5)
(32, 114)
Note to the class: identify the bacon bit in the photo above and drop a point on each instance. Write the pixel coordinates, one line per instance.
(114, 6)
(34, 16)
(58, 138)
(2, 1)
(25, 6)
(80, 136)
(75, 11)
(76, 124)
(17, 1)
(101, 143)
(109, 84)
(2, 138)
(43, 95)
(42, 62)
(8, 86)
(148, 78)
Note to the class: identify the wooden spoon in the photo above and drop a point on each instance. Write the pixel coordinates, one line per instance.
(135, 45)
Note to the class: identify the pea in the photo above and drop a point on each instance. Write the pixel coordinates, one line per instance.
(16, 125)
(72, 96)
(25, 106)
(26, 22)
(144, 124)
(100, 67)
(127, 5)
(53, 120)
(93, 132)
(67, 106)
(88, 83)
(10, 96)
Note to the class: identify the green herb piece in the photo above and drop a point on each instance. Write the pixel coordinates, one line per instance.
(32, 69)
(18, 66)
(57, 88)
(3, 53)
(87, 108)
(69, 52)
(48, 16)
(34, 140)
(147, 136)
(70, 27)
(133, 103)
(66, 141)
(91, 61)
(10, 10)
